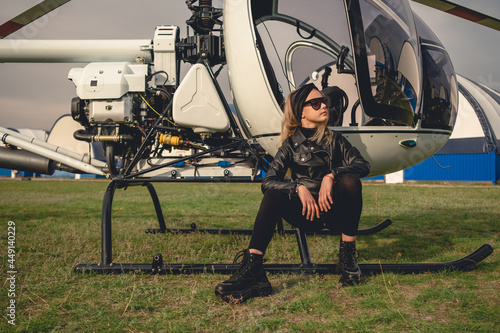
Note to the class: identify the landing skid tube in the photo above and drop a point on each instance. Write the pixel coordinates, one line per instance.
(158, 267)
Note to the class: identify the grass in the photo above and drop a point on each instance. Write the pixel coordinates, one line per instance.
(58, 226)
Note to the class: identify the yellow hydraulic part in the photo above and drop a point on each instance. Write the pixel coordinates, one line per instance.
(170, 140)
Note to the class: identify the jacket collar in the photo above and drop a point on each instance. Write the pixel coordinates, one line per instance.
(297, 138)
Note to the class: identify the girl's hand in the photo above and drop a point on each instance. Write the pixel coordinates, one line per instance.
(325, 199)
(310, 208)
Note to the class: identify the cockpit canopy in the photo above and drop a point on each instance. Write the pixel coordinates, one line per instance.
(396, 72)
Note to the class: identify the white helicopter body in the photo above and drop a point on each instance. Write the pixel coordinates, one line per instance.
(399, 85)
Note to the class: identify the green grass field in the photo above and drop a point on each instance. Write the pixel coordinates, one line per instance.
(57, 225)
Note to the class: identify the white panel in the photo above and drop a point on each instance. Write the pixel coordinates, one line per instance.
(254, 100)
(62, 135)
(408, 66)
(100, 80)
(197, 104)
(211, 169)
(137, 78)
(104, 111)
(467, 124)
(383, 151)
(395, 177)
(490, 107)
(165, 54)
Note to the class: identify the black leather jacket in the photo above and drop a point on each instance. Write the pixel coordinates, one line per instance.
(310, 162)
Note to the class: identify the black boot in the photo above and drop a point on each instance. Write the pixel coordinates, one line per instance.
(347, 266)
(249, 280)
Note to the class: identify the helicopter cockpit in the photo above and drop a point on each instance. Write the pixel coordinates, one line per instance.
(381, 66)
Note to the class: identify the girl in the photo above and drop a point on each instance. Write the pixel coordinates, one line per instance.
(324, 166)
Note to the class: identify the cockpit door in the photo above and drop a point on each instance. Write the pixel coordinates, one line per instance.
(386, 59)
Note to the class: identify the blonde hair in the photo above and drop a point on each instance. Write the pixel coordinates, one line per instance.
(289, 125)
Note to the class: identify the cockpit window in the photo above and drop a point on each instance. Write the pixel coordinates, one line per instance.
(307, 62)
(299, 37)
(325, 16)
(387, 59)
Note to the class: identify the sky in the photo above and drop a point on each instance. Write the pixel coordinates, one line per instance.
(36, 95)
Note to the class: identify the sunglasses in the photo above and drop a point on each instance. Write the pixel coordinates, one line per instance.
(316, 102)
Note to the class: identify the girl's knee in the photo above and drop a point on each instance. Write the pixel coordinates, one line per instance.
(349, 182)
(349, 178)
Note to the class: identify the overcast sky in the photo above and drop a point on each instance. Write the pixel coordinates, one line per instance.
(36, 95)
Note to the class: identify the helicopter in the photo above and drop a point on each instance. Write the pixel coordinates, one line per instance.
(391, 87)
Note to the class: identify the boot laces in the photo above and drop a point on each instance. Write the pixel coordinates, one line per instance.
(242, 258)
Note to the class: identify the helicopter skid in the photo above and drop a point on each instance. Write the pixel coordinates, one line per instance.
(466, 263)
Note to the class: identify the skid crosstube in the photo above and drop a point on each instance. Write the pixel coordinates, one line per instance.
(224, 231)
(158, 267)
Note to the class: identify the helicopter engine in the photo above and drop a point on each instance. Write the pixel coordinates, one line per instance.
(112, 106)
(119, 103)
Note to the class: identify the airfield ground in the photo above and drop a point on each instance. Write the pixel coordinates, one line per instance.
(57, 226)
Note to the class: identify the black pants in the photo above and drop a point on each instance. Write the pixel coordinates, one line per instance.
(344, 214)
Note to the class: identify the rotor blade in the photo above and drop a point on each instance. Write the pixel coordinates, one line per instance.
(29, 16)
(463, 12)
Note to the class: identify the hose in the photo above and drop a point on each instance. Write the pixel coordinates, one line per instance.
(81, 135)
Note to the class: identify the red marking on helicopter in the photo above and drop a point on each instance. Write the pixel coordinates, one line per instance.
(9, 27)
